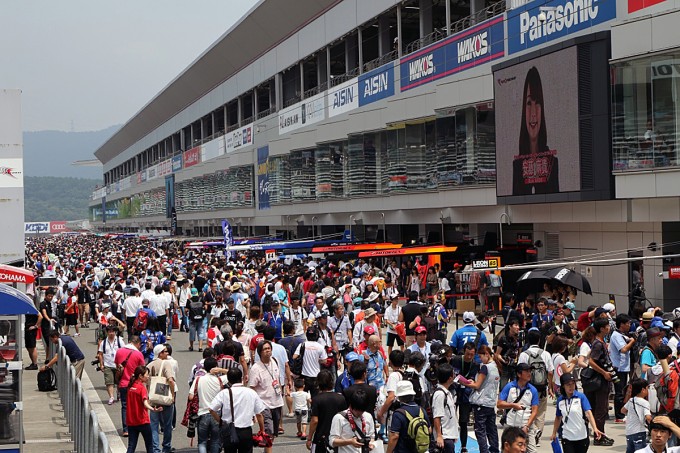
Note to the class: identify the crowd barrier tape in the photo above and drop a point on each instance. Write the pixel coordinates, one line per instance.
(82, 420)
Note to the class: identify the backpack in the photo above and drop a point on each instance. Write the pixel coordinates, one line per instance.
(47, 380)
(196, 310)
(432, 327)
(418, 429)
(539, 374)
(667, 390)
(414, 378)
(297, 362)
(267, 303)
(141, 320)
(104, 344)
(636, 352)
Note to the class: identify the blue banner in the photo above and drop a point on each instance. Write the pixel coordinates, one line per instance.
(169, 195)
(228, 238)
(103, 209)
(527, 28)
(376, 85)
(478, 45)
(177, 163)
(263, 177)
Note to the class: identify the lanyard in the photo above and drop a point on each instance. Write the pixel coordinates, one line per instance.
(567, 409)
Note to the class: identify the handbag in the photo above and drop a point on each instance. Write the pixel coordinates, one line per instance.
(192, 407)
(591, 380)
(160, 392)
(228, 432)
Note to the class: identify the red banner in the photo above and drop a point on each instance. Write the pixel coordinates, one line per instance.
(192, 157)
(11, 274)
(674, 272)
(408, 251)
(637, 5)
(58, 227)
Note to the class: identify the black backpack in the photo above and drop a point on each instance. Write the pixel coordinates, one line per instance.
(267, 303)
(414, 378)
(47, 380)
(296, 369)
(430, 324)
(196, 310)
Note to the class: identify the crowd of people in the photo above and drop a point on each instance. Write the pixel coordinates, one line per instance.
(357, 353)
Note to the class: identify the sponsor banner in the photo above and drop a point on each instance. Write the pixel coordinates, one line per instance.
(177, 163)
(465, 50)
(11, 173)
(665, 69)
(309, 111)
(152, 172)
(674, 272)
(376, 84)
(210, 150)
(243, 136)
(637, 5)
(562, 18)
(36, 227)
(165, 168)
(424, 250)
(490, 263)
(192, 157)
(142, 178)
(58, 227)
(173, 222)
(343, 98)
(263, 177)
(169, 195)
(11, 274)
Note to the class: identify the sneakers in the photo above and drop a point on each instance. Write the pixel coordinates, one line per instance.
(620, 420)
(111, 400)
(604, 441)
(76, 335)
(32, 366)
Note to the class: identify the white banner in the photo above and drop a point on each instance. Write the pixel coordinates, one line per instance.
(236, 139)
(309, 111)
(343, 98)
(210, 150)
(11, 173)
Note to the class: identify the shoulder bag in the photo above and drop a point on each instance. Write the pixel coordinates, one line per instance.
(159, 389)
(228, 432)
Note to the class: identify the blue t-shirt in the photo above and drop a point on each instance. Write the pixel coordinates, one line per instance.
(513, 384)
(399, 425)
(540, 320)
(647, 358)
(72, 350)
(620, 361)
(464, 335)
(276, 321)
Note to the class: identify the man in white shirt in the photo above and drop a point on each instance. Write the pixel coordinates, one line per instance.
(314, 356)
(341, 328)
(444, 417)
(107, 359)
(660, 432)
(159, 304)
(350, 429)
(132, 304)
(249, 405)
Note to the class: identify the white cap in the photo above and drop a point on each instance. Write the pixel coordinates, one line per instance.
(404, 388)
(468, 317)
(609, 307)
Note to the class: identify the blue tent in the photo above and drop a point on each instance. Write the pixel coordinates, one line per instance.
(14, 302)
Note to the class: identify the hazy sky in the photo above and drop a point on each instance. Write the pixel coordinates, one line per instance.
(86, 65)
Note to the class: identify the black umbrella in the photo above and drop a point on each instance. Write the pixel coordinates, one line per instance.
(569, 278)
(529, 283)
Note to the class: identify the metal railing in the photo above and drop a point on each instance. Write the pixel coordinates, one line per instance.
(490, 11)
(433, 37)
(376, 63)
(82, 420)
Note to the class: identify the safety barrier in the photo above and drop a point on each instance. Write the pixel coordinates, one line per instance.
(82, 420)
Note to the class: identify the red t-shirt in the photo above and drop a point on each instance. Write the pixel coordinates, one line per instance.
(583, 322)
(257, 339)
(136, 359)
(137, 414)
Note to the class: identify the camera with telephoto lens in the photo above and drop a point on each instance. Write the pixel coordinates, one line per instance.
(365, 445)
(436, 357)
(95, 363)
(610, 369)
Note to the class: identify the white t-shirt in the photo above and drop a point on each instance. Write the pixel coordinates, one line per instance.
(584, 351)
(443, 405)
(392, 380)
(109, 350)
(300, 400)
(524, 358)
(310, 362)
(132, 305)
(638, 409)
(558, 360)
(392, 315)
(208, 387)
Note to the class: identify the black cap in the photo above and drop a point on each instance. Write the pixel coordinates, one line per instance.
(523, 367)
(567, 377)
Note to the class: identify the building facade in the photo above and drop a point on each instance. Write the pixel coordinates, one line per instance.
(423, 121)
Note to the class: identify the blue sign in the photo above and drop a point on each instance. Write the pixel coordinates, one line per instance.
(169, 195)
(103, 209)
(177, 163)
(473, 47)
(376, 85)
(263, 177)
(562, 17)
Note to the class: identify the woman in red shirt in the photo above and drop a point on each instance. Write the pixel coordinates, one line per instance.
(138, 408)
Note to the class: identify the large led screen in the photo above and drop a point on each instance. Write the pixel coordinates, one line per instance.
(537, 134)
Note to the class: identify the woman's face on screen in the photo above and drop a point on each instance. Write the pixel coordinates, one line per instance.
(533, 116)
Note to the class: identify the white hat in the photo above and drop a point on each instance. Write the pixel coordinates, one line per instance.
(108, 292)
(468, 317)
(609, 307)
(404, 388)
(371, 297)
(158, 349)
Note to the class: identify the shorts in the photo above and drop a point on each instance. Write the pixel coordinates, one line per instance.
(390, 339)
(30, 338)
(301, 416)
(109, 376)
(196, 327)
(71, 320)
(272, 420)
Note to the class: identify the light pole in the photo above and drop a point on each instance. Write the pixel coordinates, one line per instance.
(314, 220)
(351, 219)
(384, 229)
(500, 225)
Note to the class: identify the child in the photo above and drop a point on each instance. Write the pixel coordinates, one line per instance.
(638, 415)
(301, 401)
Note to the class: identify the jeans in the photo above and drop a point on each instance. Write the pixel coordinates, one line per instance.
(619, 390)
(208, 434)
(464, 410)
(635, 442)
(196, 326)
(135, 431)
(123, 406)
(162, 419)
(171, 317)
(485, 429)
(575, 446)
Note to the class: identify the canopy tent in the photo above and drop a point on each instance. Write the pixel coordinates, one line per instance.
(14, 302)
(11, 274)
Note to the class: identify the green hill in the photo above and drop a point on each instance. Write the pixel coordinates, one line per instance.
(48, 198)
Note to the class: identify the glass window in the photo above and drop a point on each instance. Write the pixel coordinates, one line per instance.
(329, 170)
(394, 161)
(303, 175)
(420, 153)
(645, 112)
(228, 188)
(279, 180)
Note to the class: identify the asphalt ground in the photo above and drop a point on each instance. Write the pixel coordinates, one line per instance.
(46, 431)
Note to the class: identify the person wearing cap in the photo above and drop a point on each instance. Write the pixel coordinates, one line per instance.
(569, 310)
(620, 344)
(573, 410)
(469, 332)
(521, 399)
(106, 354)
(422, 345)
(599, 361)
(229, 313)
(399, 440)
(275, 319)
(313, 356)
(369, 320)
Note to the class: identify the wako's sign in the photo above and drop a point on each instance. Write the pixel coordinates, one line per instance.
(527, 28)
(473, 47)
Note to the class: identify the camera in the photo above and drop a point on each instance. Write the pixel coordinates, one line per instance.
(610, 369)
(95, 363)
(436, 357)
(365, 445)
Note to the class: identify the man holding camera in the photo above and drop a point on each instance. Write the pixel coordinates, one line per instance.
(521, 399)
(620, 345)
(106, 359)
